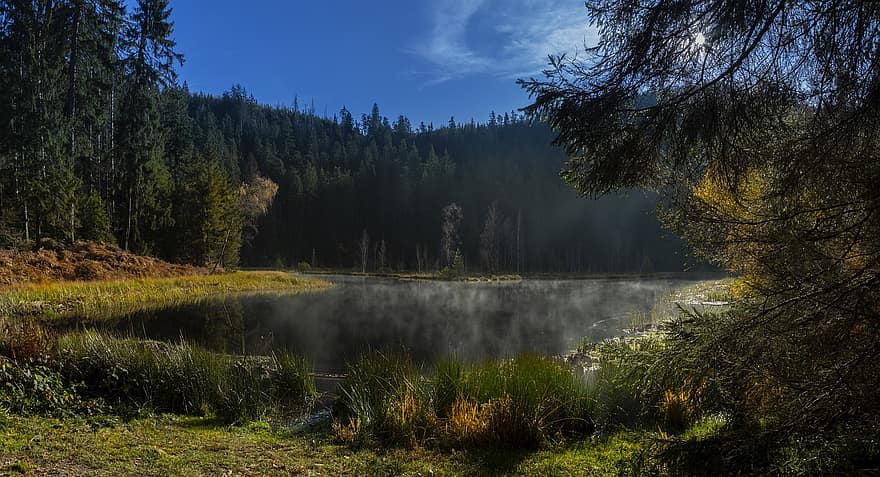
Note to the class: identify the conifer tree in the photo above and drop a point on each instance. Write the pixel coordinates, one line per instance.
(149, 65)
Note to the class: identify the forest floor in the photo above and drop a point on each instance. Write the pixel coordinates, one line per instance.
(82, 261)
(190, 446)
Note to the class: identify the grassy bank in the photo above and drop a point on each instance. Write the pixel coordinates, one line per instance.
(89, 404)
(101, 299)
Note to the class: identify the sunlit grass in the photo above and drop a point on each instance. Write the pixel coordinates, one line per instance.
(103, 299)
(520, 402)
(190, 446)
(385, 398)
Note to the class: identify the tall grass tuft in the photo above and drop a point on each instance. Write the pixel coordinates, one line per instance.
(25, 341)
(181, 378)
(385, 397)
(142, 374)
(242, 393)
(523, 401)
(293, 388)
(520, 402)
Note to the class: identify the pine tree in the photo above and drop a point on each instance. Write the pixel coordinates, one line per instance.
(148, 64)
(42, 179)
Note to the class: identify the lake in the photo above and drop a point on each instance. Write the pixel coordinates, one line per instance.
(429, 320)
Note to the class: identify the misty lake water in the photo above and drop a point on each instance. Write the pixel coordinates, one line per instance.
(429, 320)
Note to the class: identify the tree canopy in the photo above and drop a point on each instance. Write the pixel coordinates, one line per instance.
(758, 122)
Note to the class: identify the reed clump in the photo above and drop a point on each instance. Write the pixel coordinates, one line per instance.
(385, 398)
(520, 402)
(181, 378)
(25, 340)
(523, 401)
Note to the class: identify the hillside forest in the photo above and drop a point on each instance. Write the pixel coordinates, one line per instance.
(101, 142)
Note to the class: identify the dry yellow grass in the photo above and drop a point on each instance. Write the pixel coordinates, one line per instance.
(102, 299)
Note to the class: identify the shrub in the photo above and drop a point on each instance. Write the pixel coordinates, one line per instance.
(304, 266)
(25, 341)
(455, 269)
(653, 380)
(616, 389)
(34, 389)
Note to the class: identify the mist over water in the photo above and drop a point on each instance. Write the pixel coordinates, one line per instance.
(429, 320)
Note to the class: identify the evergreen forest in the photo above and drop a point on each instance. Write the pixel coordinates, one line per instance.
(101, 142)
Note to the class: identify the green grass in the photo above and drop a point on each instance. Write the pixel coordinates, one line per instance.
(160, 445)
(184, 379)
(522, 402)
(188, 446)
(104, 299)
(385, 398)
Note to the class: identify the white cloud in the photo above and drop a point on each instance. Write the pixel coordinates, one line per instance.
(523, 33)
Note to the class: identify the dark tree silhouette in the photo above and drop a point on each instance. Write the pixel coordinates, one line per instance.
(758, 122)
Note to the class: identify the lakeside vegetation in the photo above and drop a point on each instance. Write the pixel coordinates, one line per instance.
(99, 299)
(177, 408)
(411, 275)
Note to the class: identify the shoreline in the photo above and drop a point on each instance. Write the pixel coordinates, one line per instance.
(97, 300)
(502, 277)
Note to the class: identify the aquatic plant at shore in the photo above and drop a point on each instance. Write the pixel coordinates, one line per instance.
(385, 397)
(520, 402)
(185, 379)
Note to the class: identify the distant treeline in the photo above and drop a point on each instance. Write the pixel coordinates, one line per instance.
(98, 142)
(340, 177)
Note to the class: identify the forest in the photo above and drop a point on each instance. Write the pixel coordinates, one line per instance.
(101, 143)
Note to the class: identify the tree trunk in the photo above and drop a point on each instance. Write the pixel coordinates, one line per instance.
(518, 228)
(27, 224)
(128, 226)
(71, 79)
(219, 260)
(111, 189)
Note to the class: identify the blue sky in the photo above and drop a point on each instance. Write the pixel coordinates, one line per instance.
(427, 59)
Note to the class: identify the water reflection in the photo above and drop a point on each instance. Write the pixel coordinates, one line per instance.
(430, 320)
